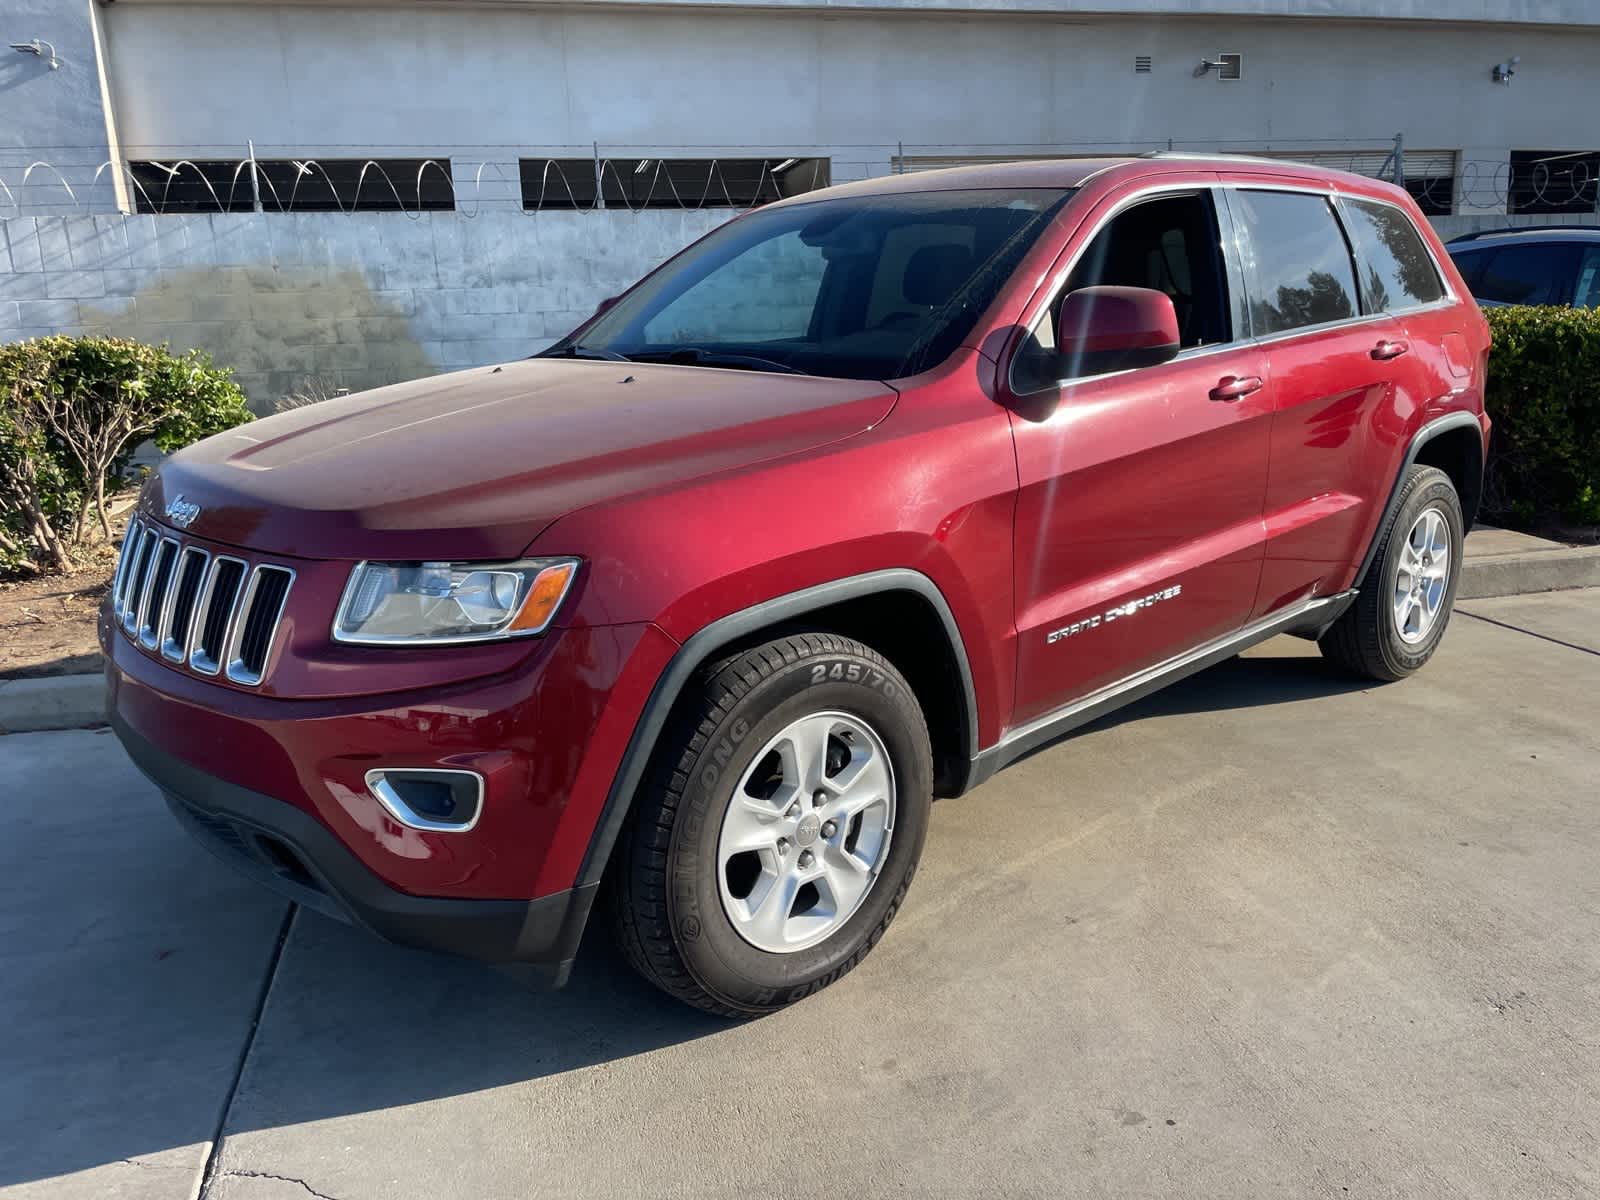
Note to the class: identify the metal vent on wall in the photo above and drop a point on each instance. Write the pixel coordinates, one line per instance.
(1232, 66)
(1141, 64)
(215, 615)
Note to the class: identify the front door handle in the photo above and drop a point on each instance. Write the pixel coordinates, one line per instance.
(1236, 387)
(1386, 349)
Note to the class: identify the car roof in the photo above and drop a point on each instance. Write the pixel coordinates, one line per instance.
(1075, 172)
(1488, 239)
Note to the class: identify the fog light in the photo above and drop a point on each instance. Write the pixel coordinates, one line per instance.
(439, 800)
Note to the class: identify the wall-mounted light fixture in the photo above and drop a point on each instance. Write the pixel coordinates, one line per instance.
(1227, 66)
(1503, 72)
(38, 46)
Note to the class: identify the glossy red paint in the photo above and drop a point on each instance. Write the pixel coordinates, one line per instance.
(1247, 476)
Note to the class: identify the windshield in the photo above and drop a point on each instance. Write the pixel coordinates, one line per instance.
(869, 287)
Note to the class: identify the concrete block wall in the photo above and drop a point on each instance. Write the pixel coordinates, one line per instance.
(325, 300)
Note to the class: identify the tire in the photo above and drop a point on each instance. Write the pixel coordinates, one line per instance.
(706, 922)
(1370, 638)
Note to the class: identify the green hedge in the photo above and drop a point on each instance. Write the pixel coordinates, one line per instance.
(1544, 397)
(72, 413)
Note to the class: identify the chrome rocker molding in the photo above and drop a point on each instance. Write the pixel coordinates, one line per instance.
(1310, 618)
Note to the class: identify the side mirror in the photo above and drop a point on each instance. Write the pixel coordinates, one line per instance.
(1101, 329)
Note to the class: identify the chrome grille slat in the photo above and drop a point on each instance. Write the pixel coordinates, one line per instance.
(153, 605)
(214, 614)
(139, 585)
(217, 607)
(256, 623)
(178, 620)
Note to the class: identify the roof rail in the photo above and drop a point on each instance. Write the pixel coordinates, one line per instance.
(1202, 155)
(1514, 229)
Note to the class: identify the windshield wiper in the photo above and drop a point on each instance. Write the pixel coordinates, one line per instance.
(577, 351)
(699, 356)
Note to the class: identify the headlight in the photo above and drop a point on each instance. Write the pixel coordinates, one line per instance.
(398, 603)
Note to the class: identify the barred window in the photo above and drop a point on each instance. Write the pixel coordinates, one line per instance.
(1554, 181)
(635, 183)
(294, 185)
(209, 185)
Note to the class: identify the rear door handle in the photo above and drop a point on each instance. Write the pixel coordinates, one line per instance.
(1387, 349)
(1236, 387)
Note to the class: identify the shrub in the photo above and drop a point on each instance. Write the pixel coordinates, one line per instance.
(72, 413)
(1544, 397)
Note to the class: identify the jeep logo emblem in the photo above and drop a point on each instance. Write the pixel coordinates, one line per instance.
(806, 832)
(182, 512)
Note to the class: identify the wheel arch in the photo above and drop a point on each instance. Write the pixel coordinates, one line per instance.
(899, 612)
(1454, 444)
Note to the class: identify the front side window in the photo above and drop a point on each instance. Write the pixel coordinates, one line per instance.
(1296, 262)
(1527, 274)
(1587, 294)
(1396, 269)
(1169, 245)
(858, 287)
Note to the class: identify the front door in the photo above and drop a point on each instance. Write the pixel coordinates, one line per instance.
(1138, 529)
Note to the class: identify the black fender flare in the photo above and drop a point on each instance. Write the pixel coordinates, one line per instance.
(734, 627)
(1455, 420)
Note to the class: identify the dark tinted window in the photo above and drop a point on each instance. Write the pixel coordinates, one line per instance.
(1296, 262)
(858, 287)
(1471, 264)
(1396, 269)
(191, 187)
(1587, 293)
(356, 185)
(1554, 181)
(1533, 274)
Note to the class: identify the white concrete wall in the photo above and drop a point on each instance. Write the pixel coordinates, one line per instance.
(487, 84)
(345, 301)
(48, 115)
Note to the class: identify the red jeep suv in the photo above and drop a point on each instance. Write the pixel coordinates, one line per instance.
(855, 501)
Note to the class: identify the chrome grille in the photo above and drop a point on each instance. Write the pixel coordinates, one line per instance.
(197, 609)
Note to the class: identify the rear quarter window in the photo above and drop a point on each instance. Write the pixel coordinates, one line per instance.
(1297, 265)
(1395, 267)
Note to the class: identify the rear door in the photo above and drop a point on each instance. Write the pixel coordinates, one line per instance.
(1334, 364)
(1138, 529)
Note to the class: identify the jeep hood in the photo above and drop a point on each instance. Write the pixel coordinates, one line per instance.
(475, 464)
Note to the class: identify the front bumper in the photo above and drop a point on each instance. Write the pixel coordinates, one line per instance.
(296, 856)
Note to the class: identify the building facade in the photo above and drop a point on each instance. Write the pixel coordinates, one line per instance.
(463, 180)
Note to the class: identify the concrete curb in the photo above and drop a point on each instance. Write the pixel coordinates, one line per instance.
(1537, 571)
(54, 702)
(79, 701)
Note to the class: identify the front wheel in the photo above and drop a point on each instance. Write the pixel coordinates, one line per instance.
(782, 827)
(1396, 622)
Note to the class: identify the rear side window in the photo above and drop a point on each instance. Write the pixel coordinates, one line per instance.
(1534, 274)
(1471, 264)
(1396, 268)
(1587, 294)
(1296, 262)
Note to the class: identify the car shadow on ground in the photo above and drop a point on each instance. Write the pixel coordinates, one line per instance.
(1241, 682)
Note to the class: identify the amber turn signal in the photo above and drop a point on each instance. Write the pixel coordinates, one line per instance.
(544, 597)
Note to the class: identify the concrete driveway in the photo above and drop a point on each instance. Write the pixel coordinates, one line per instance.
(1267, 934)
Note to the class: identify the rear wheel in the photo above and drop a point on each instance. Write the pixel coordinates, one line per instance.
(1400, 615)
(782, 828)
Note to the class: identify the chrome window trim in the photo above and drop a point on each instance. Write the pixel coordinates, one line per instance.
(236, 671)
(384, 793)
(149, 632)
(197, 655)
(1059, 278)
(174, 649)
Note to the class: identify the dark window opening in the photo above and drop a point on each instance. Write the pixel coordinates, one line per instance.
(356, 185)
(1528, 274)
(1435, 194)
(635, 183)
(1554, 181)
(294, 185)
(207, 186)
